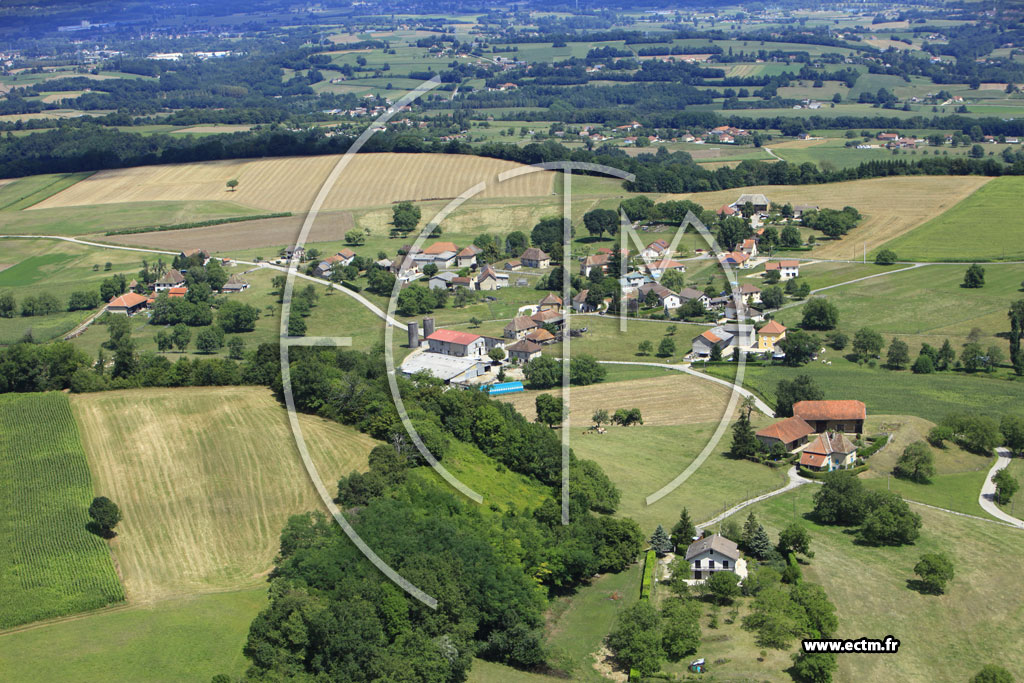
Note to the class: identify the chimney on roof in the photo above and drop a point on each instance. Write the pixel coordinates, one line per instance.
(428, 327)
(414, 335)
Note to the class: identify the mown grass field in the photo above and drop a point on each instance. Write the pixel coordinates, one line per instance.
(185, 639)
(921, 198)
(943, 638)
(926, 304)
(291, 183)
(206, 479)
(889, 392)
(985, 225)
(50, 564)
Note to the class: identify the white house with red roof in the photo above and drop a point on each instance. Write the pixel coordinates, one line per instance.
(786, 269)
(830, 451)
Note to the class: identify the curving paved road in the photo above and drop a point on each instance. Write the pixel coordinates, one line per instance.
(986, 499)
(795, 480)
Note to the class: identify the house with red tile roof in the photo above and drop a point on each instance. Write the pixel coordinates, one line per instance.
(792, 433)
(177, 292)
(830, 451)
(129, 303)
(827, 416)
(786, 269)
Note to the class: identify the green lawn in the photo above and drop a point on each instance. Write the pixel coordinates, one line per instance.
(926, 304)
(951, 491)
(50, 565)
(887, 392)
(985, 225)
(186, 639)
(604, 339)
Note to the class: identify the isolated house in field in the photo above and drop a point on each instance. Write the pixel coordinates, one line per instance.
(235, 284)
(129, 303)
(832, 416)
(787, 269)
(519, 327)
(535, 258)
(455, 343)
(830, 451)
(172, 278)
(712, 554)
(792, 433)
(770, 335)
(523, 351)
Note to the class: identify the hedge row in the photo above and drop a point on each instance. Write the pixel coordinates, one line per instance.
(875, 446)
(348, 285)
(648, 578)
(811, 474)
(196, 224)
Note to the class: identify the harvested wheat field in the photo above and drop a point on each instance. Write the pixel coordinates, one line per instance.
(206, 479)
(291, 183)
(891, 206)
(673, 399)
(266, 232)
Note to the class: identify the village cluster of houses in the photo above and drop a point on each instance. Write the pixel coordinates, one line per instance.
(720, 134)
(446, 255)
(138, 299)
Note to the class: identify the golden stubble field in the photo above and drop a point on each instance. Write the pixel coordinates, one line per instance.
(891, 206)
(674, 399)
(291, 183)
(206, 479)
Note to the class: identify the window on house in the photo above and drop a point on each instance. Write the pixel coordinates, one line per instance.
(725, 564)
(696, 564)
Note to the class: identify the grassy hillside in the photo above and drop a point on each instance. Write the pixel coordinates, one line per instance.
(206, 479)
(974, 623)
(50, 564)
(186, 639)
(985, 225)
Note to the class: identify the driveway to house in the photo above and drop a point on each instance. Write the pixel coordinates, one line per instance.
(795, 480)
(986, 499)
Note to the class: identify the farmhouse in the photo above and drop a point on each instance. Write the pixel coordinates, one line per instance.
(447, 368)
(759, 201)
(551, 302)
(787, 269)
(129, 304)
(454, 343)
(791, 433)
(201, 253)
(441, 280)
(826, 416)
(523, 351)
(489, 280)
(467, 257)
(548, 317)
(830, 451)
(172, 278)
(535, 258)
(770, 335)
(712, 554)
(235, 284)
(519, 327)
(540, 336)
(514, 264)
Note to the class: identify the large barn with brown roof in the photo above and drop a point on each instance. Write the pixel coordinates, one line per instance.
(832, 416)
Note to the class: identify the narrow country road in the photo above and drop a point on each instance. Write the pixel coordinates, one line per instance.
(986, 499)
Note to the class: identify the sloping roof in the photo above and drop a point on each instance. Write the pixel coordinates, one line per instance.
(812, 459)
(534, 254)
(711, 337)
(550, 299)
(540, 335)
(726, 211)
(171, 277)
(690, 293)
(747, 288)
(485, 273)
(830, 410)
(235, 281)
(596, 260)
(440, 248)
(524, 346)
(453, 337)
(128, 300)
(521, 322)
(466, 253)
(189, 253)
(548, 315)
(581, 297)
(658, 245)
(175, 292)
(752, 198)
(664, 263)
(786, 431)
(774, 327)
(716, 542)
(829, 443)
(775, 265)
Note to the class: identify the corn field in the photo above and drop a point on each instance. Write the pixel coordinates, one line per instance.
(50, 564)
